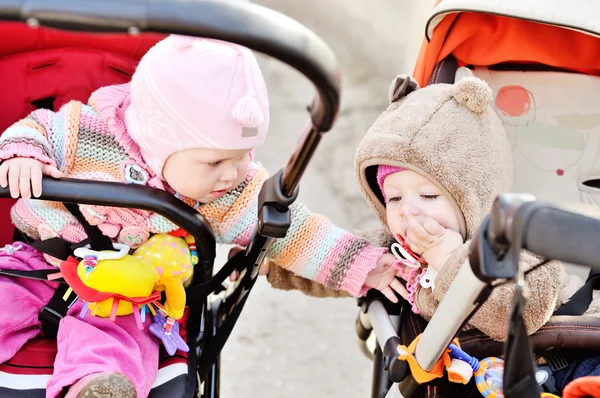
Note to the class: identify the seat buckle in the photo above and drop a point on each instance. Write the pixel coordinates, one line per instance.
(49, 318)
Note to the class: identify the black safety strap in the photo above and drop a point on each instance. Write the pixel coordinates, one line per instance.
(51, 314)
(211, 351)
(41, 275)
(97, 240)
(580, 301)
(519, 364)
(56, 309)
(62, 249)
(196, 294)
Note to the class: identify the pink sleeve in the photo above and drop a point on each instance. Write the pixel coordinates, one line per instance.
(365, 262)
(24, 150)
(30, 138)
(314, 248)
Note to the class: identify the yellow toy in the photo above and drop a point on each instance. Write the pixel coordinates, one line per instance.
(112, 283)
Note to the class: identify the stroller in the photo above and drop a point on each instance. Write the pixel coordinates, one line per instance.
(45, 68)
(540, 60)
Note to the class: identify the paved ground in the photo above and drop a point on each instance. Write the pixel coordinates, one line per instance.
(287, 344)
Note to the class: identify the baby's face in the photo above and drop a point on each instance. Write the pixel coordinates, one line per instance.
(206, 174)
(407, 192)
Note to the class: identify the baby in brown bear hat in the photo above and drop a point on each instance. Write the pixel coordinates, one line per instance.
(431, 166)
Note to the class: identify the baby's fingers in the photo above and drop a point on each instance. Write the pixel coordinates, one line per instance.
(264, 267)
(234, 276)
(413, 241)
(13, 180)
(417, 230)
(51, 171)
(25, 182)
(4, 174)
(433, 227)
(36, 181)
(399, 288)
(389, 293)
(402, 273)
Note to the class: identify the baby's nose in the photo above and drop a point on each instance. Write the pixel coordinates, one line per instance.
(410, 211)
(230, 175)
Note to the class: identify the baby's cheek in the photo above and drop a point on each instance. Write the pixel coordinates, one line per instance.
(397, 226)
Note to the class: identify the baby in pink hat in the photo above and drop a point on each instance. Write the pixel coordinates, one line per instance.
(187, 123)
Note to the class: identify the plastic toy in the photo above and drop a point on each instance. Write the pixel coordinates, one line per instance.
(460, 367)
(115, 283)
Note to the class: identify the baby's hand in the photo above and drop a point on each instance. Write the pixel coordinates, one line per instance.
(25, 176)
(383, 278)
(235, 275)
(432, 241)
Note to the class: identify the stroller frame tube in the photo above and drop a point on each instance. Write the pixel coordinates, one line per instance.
(452, 313)
(384, 325)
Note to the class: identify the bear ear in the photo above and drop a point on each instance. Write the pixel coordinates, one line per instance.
(401, 87)
(473, 93)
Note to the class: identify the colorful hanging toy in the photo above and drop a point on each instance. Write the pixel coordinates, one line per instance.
(115, 283)
(460, 367)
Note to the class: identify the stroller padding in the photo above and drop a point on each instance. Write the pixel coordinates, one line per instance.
(561, 331)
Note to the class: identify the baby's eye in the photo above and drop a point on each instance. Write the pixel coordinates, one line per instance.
(395, 199)
(215, 164)
(430, 197)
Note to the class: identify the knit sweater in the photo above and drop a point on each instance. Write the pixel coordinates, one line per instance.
(91, 142)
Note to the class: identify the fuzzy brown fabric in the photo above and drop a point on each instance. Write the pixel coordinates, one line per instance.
(450, 135)
(283, 279)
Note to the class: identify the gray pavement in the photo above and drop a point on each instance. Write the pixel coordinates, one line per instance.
(287, 344)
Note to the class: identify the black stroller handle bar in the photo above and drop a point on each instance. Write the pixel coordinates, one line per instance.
(563, 235)
(114, 194)
(569, 233)
(236, 21)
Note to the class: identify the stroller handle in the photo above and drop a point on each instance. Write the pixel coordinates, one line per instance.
(115, 194)
(250, 25)
(564, 233)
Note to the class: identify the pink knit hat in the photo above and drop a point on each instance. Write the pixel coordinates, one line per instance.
(196, 93)
(383, 171)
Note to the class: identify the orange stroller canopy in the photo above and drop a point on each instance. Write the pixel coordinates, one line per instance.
(500, 32)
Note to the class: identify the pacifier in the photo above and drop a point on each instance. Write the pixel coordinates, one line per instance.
(403, 253)
(428, 278)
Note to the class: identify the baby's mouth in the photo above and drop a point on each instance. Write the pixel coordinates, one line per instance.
(220, 193)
